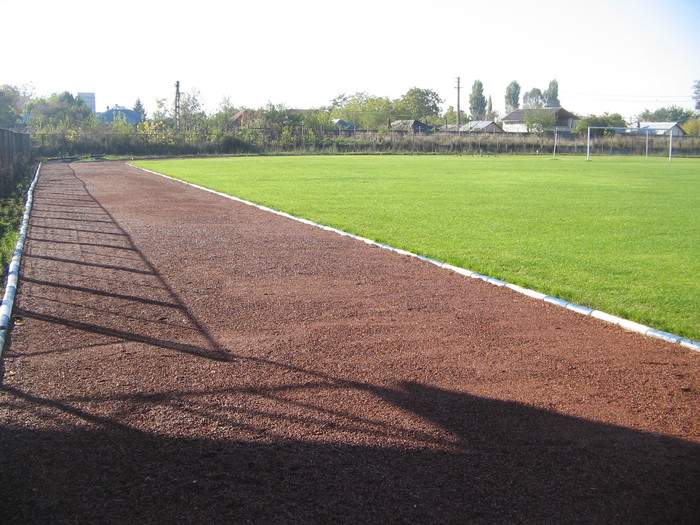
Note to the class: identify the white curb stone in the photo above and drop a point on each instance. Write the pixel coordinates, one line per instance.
(8, 299)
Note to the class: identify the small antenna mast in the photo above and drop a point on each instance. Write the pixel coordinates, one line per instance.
(459, 88)
(177, 104)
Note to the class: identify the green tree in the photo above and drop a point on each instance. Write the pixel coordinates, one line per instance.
(165, 114)
(60, 110)
(696, 93)
(9, 114)
(316, 119)
(377, 113)
(606, 119)
(512, 96)
(418, 103)
(221, 121)
(362, 110)
(551, 95)
(692, 126)
(539, 120)
(349, 108)
(450, 116)
(477, 101)
(339, 101)
(490, 113)
(13, 103)
(533, 99)
(192, 116)
(138, 108)
(669, 114)
(279, 116)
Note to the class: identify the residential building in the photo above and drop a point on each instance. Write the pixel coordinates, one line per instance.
(475, 126)
(516, 121)
(342, 125)
(120, 112)
(416, 126)
(659, 128)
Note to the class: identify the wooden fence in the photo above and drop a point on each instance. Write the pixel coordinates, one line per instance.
(15, 154)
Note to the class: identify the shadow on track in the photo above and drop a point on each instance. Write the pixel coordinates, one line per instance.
(516, 464)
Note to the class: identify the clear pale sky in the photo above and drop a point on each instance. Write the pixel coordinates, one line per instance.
(619, 56)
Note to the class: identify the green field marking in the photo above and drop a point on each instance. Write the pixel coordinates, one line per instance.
(621, 235)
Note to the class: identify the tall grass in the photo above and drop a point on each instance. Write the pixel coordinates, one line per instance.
(617, 234)
(11, 212)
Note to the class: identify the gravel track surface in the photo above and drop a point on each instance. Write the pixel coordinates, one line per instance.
(178, 357)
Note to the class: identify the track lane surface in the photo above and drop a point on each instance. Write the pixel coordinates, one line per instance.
(180, 357)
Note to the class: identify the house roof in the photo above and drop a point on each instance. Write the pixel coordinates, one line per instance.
(409, 124)
(476, 125)
(343, 124)
(119, 112)
(244, 114)
(658, 128)
(519, 114)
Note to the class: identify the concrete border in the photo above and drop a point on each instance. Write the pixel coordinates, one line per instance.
(583, 310)
(12, 281)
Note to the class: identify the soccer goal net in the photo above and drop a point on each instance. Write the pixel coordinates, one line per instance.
(633, 132)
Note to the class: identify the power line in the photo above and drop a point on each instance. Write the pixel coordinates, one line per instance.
(630, 98)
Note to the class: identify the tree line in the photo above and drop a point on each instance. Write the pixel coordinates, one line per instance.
(67, 117)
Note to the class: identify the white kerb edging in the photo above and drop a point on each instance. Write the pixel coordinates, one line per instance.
(12, 282)
(583, 310)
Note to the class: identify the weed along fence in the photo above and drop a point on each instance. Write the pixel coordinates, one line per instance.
(15, 153)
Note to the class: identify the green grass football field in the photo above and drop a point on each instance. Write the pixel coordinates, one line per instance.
(616, 234)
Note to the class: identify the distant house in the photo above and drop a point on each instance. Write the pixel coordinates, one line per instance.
(416, 126)
(483, 126)
(244, 119)
(516, 121)
(343, 125)
(119, 112)
(659, 128)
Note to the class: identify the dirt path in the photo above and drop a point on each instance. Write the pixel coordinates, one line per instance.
(181, 358)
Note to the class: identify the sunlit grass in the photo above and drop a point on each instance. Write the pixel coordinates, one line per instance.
(617, 234)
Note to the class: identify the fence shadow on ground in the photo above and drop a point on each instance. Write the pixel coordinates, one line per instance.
(518, 465)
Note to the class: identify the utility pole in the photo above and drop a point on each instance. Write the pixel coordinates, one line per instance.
(459, 88)
(177, 105)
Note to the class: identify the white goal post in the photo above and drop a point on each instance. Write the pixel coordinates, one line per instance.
(636, 131)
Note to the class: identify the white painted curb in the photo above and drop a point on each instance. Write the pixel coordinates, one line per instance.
(8, 299)
(583, 310)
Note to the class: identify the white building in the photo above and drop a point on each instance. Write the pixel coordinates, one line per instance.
(659, 128)
(516, 121)
(88, 99)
